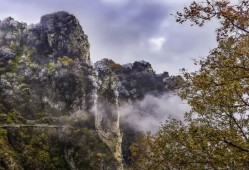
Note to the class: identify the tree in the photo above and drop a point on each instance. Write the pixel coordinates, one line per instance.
(218, 92)
(233, 18)
(187, 147)
(216, 134)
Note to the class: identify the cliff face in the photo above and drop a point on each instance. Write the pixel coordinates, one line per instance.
(107, 114)
(46, 77)
(51, 62)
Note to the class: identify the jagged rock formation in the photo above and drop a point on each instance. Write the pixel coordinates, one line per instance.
(135, 80)
(52, 59)
(107, 114)
(46, 77)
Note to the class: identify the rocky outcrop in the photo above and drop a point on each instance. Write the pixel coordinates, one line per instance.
(107, 112)
(59, 34)
(135, 80)
(119, 84)
(11, 32)
(51, 62)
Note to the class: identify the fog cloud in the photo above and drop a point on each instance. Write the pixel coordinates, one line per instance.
(149, 113)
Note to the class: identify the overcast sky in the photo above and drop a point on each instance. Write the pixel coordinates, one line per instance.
(127, 30)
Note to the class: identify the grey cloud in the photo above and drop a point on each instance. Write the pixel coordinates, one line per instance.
(130, 24)
(125, 28)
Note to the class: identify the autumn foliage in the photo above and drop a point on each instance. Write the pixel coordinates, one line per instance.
(215, 134)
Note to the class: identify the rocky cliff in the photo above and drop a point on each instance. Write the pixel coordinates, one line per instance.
(46, 77)
(48, 63)
(120, 84)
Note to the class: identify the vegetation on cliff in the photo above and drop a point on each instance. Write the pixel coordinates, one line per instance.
(45, 79)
